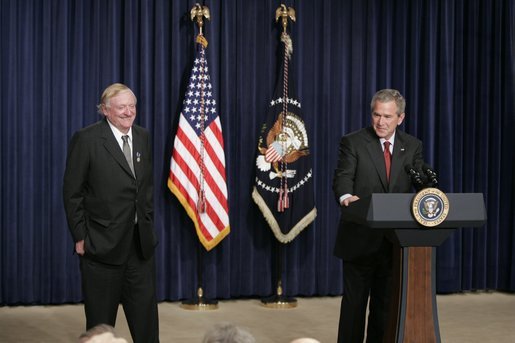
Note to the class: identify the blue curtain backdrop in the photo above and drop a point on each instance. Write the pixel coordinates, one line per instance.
(452, 59)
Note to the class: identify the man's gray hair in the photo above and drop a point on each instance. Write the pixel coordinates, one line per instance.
(110, 92)
(387, 95)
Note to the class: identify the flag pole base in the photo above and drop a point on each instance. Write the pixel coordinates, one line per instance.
(279, 300)
(199, 303)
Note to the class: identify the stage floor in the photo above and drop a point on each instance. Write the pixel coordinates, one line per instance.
(468, 318)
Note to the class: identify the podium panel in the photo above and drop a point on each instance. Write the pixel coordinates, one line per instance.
(413, 314)
(392, 210)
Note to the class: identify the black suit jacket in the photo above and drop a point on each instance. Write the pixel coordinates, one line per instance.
(361, 171)
(102, 196)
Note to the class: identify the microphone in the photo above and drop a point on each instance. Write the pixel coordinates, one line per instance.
(431, 175)
(416, 178)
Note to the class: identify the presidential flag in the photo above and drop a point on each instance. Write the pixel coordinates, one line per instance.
(283, 187)
(197, 167)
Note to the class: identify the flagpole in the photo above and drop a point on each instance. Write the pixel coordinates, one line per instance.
(199, 302)
(279, 300)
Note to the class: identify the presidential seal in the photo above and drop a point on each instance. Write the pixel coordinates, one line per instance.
(430, 207)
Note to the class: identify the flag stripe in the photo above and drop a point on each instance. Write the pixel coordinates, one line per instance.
(189, 178)
(212, 175)
(181, 178)
(192, 205)
(272, 155)
(208, 229)
(215, 162)
(214, 135)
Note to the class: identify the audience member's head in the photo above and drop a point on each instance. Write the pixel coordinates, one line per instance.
(227, 333)
(101, 333)
(305, 340)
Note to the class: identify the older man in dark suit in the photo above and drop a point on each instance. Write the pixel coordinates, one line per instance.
(108, 198)
(371, 160)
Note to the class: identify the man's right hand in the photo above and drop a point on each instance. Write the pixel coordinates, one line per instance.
(348, 200)
(79, 247)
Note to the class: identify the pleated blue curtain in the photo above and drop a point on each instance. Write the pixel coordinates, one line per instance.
(453, 61)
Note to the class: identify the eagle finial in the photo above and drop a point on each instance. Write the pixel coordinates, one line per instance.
(284, 13)
(198, 12)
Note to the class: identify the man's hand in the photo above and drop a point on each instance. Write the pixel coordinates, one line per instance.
(348, 200)
(79, 247)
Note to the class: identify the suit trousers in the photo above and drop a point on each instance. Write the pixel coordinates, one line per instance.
(365, 277)
(132, 284)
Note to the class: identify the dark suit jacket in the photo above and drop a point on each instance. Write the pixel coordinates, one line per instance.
(361, 171)
(101, 195)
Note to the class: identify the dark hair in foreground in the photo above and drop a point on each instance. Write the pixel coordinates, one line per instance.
(227, 333)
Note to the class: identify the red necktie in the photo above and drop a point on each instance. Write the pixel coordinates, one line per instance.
(387, 159)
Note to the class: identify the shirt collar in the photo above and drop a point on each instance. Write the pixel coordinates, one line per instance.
(118, 134)
(391, 140)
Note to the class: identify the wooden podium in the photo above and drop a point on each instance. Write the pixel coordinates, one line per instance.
(413, 313)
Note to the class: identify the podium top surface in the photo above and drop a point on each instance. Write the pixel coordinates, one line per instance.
(393, 210)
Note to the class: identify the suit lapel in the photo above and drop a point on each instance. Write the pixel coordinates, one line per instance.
(137, 149)
(113, 147)
(398, 158)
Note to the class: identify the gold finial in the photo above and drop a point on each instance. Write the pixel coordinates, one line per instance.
(284, 13)
(198, 12)
(279, 288)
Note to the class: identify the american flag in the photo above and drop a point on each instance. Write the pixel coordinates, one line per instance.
(197, 167)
